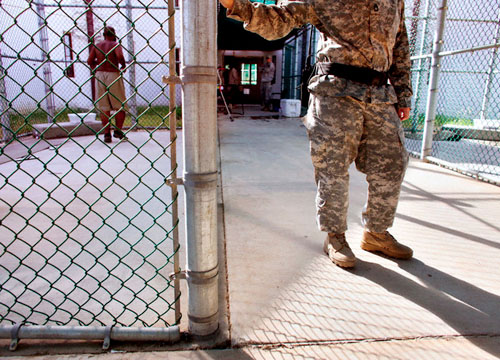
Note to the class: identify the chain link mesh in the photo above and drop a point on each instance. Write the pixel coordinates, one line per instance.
(467, 127)
(86, 227)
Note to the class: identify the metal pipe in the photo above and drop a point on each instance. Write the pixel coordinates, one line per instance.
(131, 67)
(423, 43)
(170, 334)
(7, 133)
(463, 170)
(298, 66)
(62, 61)
(199, 114)
(459, 51)
(430, 112)
(47, 72)
(114, 6)
(89, 15)
(173, 155)
(491, 74)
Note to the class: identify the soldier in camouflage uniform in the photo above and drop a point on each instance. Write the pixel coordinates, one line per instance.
(354, 112)
(266, 82)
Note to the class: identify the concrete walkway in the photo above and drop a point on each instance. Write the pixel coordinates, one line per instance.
(285, 293)
(288, 301)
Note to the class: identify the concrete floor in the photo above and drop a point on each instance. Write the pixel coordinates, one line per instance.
(81, 216)
(288, 301)
(285, 292)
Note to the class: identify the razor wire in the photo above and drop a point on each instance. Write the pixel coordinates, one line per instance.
(87, 229)
(466, 135)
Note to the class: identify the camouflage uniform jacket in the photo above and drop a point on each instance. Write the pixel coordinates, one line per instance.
(364, 33)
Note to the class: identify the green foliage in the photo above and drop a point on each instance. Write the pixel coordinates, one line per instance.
(155, 116)
(147, 117)
(416, 123)
(21, 123)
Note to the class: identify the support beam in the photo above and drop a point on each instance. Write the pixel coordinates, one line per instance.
(199, 114)
(430, 112)
(47, 71)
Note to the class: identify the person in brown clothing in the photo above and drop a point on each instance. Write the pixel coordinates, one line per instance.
(108, 63)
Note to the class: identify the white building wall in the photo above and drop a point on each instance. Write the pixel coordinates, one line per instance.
(461, 90)
(22, 54)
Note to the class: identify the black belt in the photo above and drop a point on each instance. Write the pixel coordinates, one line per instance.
(354, 73)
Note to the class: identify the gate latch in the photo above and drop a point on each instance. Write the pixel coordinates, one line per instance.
(172, 79)
(181, 275)
(175, 181)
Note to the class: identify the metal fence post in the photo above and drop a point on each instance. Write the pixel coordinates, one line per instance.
(4, 105)
(131, 56)
(173, 152)
(422, 50)
(491, 73)
(47, 72)
(430, 111)
(199, 114)
(89, 15)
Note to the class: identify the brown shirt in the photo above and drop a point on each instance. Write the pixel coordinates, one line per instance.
(106, 55)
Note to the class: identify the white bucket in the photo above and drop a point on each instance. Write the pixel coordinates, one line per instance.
(290, 107)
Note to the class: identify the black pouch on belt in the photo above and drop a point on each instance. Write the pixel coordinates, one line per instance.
(354, 73)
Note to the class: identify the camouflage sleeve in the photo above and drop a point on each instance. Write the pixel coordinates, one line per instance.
(270, 21)
(399, 73)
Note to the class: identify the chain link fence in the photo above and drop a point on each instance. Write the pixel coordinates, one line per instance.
(89, 230)
(466, 133)
(44, 53)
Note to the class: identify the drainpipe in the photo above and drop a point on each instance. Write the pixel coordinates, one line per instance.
(430, 112)
(47, 72)
(199, 114)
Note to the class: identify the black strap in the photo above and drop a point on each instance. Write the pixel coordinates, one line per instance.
(358, 74)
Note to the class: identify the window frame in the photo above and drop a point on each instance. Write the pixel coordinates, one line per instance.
(252, 74)
(67, 40)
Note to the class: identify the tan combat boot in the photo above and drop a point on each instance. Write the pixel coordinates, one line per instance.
(338, 250)
(386, 244)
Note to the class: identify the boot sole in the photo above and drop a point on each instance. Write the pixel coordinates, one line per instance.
(342, 264)
(374, 248)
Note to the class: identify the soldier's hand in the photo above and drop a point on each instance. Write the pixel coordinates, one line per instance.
(228, 4)
(404, 113)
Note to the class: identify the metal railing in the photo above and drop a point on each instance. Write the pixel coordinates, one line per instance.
(455, 119)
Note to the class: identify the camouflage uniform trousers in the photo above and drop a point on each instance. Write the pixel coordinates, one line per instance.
(342, 130)
(266, 91)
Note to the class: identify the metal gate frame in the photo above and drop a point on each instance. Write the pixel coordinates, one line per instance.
(108, 333)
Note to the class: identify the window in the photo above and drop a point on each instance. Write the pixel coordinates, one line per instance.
(248, 74)
(69, 70)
